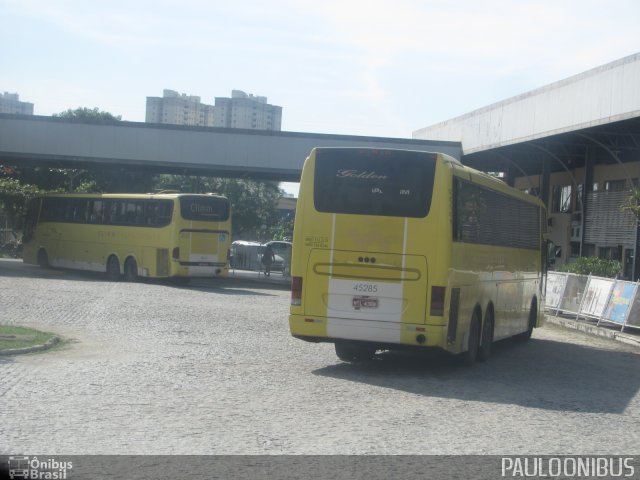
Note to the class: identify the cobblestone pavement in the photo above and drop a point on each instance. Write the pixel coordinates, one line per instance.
(210, 368)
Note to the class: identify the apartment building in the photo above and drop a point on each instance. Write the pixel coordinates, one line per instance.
(247, 111)
(179, 109)
(10, 103)
(241, 110)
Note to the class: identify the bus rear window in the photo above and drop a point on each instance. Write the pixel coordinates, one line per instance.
(374, 182)
(204, 209)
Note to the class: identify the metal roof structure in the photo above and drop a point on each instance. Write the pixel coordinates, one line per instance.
(593, 113)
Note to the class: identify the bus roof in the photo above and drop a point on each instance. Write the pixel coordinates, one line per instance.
(474, 175)
(135, 196)
(484, 178)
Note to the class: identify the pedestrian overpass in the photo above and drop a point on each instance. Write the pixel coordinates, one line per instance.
(63, 143)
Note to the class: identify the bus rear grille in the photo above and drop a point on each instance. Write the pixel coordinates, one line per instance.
(162, 262)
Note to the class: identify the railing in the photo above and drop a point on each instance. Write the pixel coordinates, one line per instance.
(595, 298)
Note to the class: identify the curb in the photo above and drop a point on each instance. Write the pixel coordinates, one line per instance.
(594, 330)
(35, 348)
(252, 276)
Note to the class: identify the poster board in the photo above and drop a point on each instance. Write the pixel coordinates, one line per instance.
(573, 293)
(633, 319)
(556, 284)
(620, 302)
(596, 297)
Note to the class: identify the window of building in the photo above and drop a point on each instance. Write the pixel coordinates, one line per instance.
(575, 249)
(615, 185)
(588, 250)
(561, 199)
(610, 253)
(579, 196)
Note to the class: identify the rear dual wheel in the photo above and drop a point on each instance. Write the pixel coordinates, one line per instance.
(469, 357)
(130, 270)
(486, 341)
(113, 268)
(43, 258)
(533, 319)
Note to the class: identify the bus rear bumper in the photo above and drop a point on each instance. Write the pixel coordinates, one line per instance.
(319, 329)
(200, 271)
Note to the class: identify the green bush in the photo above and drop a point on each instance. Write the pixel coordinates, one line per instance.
(593, 266)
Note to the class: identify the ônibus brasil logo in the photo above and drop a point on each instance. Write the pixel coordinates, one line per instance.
(32, 468)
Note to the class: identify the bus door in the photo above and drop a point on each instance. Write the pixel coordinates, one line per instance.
(53, 219)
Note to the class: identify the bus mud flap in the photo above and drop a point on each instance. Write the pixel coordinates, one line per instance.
(453, 315)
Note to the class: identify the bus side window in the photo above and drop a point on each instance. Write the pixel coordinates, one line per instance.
(95, 211)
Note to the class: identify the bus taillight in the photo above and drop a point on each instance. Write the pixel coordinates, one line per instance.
(296, 290)
(437, 300)
(176, 253)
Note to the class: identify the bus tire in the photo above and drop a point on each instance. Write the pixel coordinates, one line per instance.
(353, 352)
(533, 319)
(486, 341)
(470, 356)
(130, 270)
(113, 268)
(43, 258)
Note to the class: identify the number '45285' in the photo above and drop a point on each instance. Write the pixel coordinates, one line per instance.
(365, 288)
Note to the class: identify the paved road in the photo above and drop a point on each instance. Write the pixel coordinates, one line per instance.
(211, 369)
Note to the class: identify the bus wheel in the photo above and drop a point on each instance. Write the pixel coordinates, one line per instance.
(487, 338)
(43, 258)
(469, 357)
(533, 318)
(130, 270)
(113, 269)
(353, 352)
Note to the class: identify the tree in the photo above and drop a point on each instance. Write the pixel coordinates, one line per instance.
(632, 203)
(88, 115)
(14, 196)
(599, 267)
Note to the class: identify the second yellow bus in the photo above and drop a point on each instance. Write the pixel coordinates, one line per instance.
(397, 248)
(132, 235)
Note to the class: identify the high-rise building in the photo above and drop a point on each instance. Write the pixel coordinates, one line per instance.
(10, 103)
(246, 111)
(179, 109)
(240, 111)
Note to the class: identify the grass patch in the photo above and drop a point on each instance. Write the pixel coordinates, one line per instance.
(21, 337)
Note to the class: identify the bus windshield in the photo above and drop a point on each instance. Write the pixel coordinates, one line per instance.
(203, 209)
(374, 182)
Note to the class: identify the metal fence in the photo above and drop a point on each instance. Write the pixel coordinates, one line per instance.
(596, 298)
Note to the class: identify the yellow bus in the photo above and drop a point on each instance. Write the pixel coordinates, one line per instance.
(396, 248)
(135, 235)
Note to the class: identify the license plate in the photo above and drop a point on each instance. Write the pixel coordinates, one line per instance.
(364, 302)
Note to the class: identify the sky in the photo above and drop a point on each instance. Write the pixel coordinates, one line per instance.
(356, 67)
